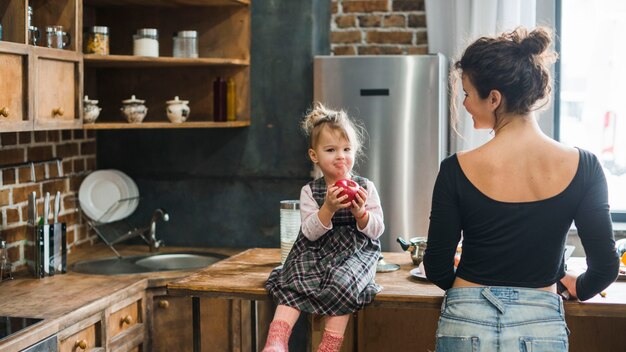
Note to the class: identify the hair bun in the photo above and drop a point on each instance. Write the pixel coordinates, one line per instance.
(536, 42)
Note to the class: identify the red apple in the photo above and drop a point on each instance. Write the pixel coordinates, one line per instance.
(349, 188)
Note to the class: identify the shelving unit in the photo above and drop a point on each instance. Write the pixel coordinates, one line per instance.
(223, 28)
(40, 87)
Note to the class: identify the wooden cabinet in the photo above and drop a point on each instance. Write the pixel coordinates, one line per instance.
(223, 28)
(40, 88)
(119, 328)
(225, 323)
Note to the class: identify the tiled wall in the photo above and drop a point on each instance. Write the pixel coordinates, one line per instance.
(378, 27)
(30, 161)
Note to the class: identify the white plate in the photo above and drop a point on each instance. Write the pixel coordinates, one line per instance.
(417, 273)
(100, 191)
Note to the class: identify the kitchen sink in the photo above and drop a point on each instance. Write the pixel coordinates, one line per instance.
(146, 263)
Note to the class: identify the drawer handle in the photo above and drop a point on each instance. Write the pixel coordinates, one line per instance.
(164, 304)
(127, 320)
(57, 111)
(4, 111)
(82, 344)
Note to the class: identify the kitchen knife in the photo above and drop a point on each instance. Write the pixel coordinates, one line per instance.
(56, 239)
(32, 209)
(46, 208)
(46, 234)
(57, 206)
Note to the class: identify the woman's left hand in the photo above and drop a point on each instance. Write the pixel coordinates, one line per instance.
(358, 204)
(569, 281)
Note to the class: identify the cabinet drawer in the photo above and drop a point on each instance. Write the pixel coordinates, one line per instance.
(125, 318)
(83, 336)
(13, 90)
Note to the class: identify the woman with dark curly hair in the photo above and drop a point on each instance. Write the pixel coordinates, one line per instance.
(514, 199)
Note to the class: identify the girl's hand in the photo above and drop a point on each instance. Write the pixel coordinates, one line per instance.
(332, 201)
(358, 204)
(569, 281)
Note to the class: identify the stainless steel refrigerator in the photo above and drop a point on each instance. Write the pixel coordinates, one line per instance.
(402, 103)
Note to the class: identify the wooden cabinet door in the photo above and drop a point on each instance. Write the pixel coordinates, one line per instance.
(14, 88)
(56, 94)
(171, 323)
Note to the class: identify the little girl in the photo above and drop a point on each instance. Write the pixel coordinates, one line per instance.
(330, 269)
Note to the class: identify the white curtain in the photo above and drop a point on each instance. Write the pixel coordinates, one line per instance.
(453, 24)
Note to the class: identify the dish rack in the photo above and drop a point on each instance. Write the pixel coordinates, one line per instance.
(118, 231)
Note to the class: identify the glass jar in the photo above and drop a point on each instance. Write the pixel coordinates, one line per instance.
(97, 40)
(186, 44)
(146, 42)
(289, 226)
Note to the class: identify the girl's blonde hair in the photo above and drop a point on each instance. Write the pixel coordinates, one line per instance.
(337, 120)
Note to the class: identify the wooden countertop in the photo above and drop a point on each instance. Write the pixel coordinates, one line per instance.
(243, 276)
(63, 300)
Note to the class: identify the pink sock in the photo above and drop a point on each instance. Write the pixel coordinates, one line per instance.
(278, 337)
(330, 343)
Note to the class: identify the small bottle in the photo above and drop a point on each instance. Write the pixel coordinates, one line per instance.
(219, 100)
(231, 101)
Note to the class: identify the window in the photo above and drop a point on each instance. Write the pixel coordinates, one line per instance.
(591, 86)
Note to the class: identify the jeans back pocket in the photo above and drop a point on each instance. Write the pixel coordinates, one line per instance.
(543, 344)
(457, 344)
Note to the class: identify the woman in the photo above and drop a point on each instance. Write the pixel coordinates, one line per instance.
(514, 200)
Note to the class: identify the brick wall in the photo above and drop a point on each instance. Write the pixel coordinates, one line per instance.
(378, 27)
(76, 152)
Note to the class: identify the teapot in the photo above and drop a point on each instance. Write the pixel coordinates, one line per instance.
(177, 110)
(416, 246)
(90, 110)
(134, 110)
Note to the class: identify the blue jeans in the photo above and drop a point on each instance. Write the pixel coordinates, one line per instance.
(501, 319)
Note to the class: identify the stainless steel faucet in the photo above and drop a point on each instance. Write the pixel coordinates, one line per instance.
(159, 213)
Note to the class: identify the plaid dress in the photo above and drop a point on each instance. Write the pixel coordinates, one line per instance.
(333, 275)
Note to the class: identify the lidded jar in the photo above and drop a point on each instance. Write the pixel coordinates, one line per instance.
(90, 110)
(97, 40)
(177, 110)
(146, 42)
(133, 109)
(186, 44)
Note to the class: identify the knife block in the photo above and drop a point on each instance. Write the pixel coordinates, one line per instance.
(48, 254)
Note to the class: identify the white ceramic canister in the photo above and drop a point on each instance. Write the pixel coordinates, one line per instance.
(146, 42)
(133, 109)
(177, 110)
(90, 110)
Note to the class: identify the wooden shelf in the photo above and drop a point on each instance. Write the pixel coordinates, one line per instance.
(124, 61)
(165, 3)
(168, 125)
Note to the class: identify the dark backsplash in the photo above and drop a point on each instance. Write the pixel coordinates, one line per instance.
(222, 187)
